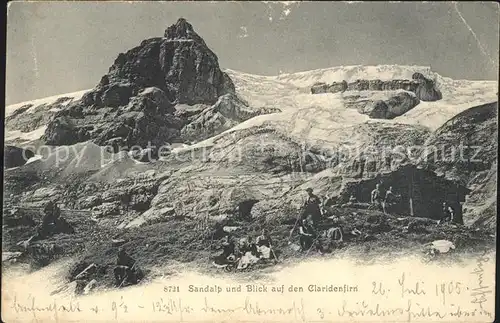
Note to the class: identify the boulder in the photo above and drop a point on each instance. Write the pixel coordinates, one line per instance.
(376, 110)
(400, 104)
(393, 107)
(319, 87)
(426, 90)
(61, 131)
(338, 87)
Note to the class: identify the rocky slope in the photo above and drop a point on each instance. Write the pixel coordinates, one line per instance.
(408, 94)
(465, 149)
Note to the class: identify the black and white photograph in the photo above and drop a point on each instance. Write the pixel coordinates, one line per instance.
(267, 161)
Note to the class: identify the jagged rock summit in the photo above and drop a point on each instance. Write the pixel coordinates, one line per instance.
(180, 64)
(137, 102)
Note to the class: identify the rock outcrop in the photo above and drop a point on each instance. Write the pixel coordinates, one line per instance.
(15, 156)
(387, 105)
(425, 89)
(136, 102)
(464, 149)
(366, 85)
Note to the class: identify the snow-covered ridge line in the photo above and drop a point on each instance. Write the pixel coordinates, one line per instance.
(354, 72)
(47, 100)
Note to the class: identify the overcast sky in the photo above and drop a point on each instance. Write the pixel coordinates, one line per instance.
(59, 47)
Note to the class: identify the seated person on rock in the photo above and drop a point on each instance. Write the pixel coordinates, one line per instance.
(52, 223)
(125, 270)
(264, 239)
(49, 221)
(247, 245)
(249, 253)
(228, 249)
(252, 247)
(264, 245)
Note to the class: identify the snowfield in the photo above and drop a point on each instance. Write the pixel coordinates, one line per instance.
(48, 100)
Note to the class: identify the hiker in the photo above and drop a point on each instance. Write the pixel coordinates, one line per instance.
(307, 233)
(448, 213)
(389, 201)
(458, 214)
(125, 270)
(312, 206)
(50, 217)
(376, 197)
(49, 225)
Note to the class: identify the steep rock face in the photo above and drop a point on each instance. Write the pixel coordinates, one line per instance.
(387, 106)
(227, 112)
(15, 156)
(134, 104)
(191, 69)
(366, 85)
(465, 149)
(180, 64)
(424, 88)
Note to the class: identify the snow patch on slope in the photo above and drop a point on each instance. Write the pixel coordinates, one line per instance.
(48, 100)
(11, 135)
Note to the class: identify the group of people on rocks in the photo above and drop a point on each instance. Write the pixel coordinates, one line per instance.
(309, 234)
(245, 251)
(313, 213)
(125, 271)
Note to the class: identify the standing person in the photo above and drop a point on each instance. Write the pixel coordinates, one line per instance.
(447, 213)
(376, 197)
(312, 206)
(389, 200)
(307, 233)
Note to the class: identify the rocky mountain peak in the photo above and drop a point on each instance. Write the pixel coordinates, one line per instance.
(182, 30)
(135, 102)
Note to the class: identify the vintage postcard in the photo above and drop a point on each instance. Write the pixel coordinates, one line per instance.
(250, 162)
